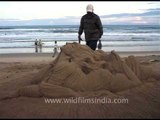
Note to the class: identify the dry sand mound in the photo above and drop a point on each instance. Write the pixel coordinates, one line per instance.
(79, 70)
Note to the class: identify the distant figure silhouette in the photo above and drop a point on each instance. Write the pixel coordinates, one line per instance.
(36, 45)
(40, 45)
(56, 47)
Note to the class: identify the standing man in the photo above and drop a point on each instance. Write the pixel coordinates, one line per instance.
(40, 45)
(36, 45)
(92, 27)
(56, 47)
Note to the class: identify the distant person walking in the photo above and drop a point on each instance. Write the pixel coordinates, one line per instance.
(40, 45)
(36, 45)
(91, 25)
(55, 50)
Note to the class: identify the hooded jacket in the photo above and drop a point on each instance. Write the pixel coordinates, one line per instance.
(92, 26)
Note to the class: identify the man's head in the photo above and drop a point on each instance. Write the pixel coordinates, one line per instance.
(90, 8)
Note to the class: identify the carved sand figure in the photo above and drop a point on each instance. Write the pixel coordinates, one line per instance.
(78, 69)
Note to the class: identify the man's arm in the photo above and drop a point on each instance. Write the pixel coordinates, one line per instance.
(100, 27)
(80, 30)
(81, 27)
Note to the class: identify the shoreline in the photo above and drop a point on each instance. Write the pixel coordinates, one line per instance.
(135, 53)
(26, 57)
(47, 57)
(121, 53)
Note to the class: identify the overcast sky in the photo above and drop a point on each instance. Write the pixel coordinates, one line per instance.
(72, 11)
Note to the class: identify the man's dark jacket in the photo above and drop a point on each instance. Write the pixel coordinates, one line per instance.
(92, 26)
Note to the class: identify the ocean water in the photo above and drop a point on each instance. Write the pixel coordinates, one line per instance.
(20, 39)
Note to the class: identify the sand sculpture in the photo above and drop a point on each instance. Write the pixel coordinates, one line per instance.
(79, 70)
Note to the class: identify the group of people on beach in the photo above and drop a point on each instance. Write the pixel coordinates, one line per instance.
(92, 27)
(38, 45)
